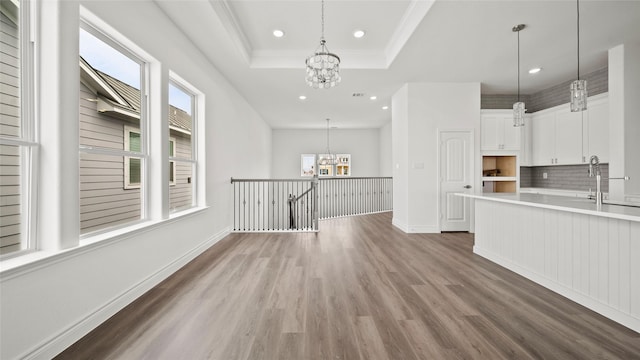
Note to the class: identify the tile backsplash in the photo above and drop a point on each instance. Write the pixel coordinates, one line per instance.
(563, 177)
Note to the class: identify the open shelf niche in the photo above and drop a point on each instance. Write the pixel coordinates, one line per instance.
(499, 173)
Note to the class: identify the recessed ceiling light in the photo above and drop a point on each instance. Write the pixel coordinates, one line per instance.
(373, 97)
(358, 34)
(535, 70)
(302, 97)
(278, 33)
(385, 107)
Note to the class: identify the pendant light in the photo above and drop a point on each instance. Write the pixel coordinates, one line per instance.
(328, 158)
(578, 87)
(518, 107)
(323, 67)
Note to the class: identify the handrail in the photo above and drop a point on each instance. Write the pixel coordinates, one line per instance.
(304, 193)
(233, 180)
(354, 177)
(268, 205)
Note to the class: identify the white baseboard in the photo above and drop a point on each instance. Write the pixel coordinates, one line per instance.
(402, 227)
(616, 315)
(416, 229)
(423, 229)
(55, 345)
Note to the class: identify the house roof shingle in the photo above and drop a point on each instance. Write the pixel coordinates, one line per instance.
(178, 118)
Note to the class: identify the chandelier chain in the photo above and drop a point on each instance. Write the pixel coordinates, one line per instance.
(322, 19)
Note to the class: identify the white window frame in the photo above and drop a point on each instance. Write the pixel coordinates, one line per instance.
(26, 142)
(127, 159)
(176, 81)
(172, 176)
(103, 32)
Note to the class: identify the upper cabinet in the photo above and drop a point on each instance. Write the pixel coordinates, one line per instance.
(596, 133)
(498, 132)
(562, 137)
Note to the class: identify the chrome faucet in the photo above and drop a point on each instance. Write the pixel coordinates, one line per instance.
(594, 170)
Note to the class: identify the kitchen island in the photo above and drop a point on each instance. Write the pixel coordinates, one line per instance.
(588, 254)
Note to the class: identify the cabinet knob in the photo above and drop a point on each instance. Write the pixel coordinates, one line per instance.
(467, 186)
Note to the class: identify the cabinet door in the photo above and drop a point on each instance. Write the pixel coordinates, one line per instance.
(598, 130)
(491, 128)
(568, 137)
(511, 138)
(543, 139)
(525, 143)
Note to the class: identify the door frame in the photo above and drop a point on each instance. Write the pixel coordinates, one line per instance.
(472, 161)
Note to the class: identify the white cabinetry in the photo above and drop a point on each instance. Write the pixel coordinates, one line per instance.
(596, 133)
(562, 137)
(543, 139)
(498, 132)
(568, 137)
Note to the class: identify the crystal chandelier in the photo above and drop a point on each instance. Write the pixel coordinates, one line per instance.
(323, 67)
(518, 107)
(578, 87)
(329, 158)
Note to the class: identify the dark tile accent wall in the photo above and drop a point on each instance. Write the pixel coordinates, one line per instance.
(597, 83)
(526, 179)
(564, 177)
(501, 101)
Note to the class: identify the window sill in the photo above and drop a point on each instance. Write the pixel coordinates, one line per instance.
(34, 260)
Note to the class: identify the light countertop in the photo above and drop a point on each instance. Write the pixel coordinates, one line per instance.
(563, 203)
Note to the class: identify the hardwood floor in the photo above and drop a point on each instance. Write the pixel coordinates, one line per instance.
(359, 289)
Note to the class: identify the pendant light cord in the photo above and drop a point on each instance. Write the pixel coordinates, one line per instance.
(518, 65)
(578, 32)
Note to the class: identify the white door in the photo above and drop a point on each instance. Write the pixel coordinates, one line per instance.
(456, 176)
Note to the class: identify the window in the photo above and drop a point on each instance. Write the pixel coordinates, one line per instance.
(172, 163)
(182, 131)
(17, 140)
(113, 150)
(132, 166)
(307, 165)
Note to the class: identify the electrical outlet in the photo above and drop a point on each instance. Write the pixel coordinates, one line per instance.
(544, 175)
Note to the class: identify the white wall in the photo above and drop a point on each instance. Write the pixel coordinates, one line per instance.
(431, 107)
(624, 127)
(362, 144)
(386, 169)
(400, 157)
(47, 305)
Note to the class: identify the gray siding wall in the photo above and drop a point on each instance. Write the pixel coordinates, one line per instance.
(181, 194)
(9, 125)
(104, 201)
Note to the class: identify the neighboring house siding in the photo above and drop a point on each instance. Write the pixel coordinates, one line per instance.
(103, 200)
(180, 194)
(10, 125)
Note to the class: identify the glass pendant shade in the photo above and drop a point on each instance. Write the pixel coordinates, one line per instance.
(578, 87)
(328, 158)
(323, 68)
(579, 95)
(518, 113)
(518, 107)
